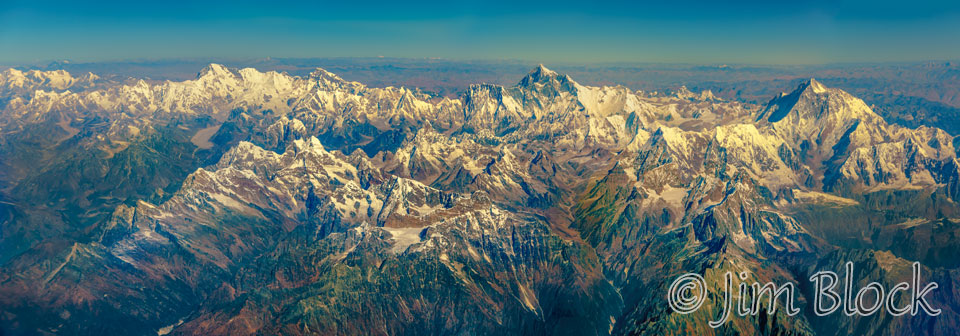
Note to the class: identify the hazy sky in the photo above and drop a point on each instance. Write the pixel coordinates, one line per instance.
(784, 32)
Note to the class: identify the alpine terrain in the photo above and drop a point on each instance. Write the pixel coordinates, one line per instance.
(247, 202)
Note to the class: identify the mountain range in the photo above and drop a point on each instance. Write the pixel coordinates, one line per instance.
(249, 202)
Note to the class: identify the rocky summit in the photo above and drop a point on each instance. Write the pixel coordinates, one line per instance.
(247, 202)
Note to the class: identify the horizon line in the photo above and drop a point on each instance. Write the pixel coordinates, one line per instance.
(37, 64)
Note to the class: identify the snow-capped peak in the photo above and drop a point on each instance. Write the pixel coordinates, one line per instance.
(306, 144)
(11, 73)
(543, 70)
(814, 85)
(34, 79)
(326, 78)
(830, 119)
(540, 74)
(813, 100)
(214, 70)
(323, 73)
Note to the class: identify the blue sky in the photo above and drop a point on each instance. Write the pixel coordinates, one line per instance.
(761, 32)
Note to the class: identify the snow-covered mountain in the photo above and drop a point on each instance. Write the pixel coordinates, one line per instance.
(245, 202)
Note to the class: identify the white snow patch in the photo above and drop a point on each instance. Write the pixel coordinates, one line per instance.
(169, 328)
(815, 196)
(403, 238)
